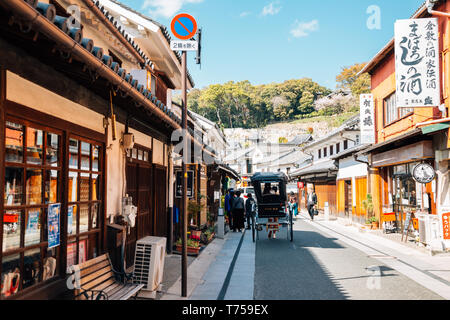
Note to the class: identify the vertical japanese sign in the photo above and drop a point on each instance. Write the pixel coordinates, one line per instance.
(53, 218)
(446, 225)
(367, 118)
(417, 63)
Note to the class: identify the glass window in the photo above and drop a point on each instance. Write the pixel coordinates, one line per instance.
(52, 149)
(11, 229)
(320, 153)
(84, 217)
(72, 220)
(94, 216)
(33, 218)
(34, 187)
(95, 187)
(13, 186)
(72, 191)
(338, 147)
(73, 154)
(51, 186)
(50, 264)
(85, 156)
(84, 187)
(331, 150)
(11, 276)
(31, 266)
(14, 142)
(393, 113)
(95, 157)
(35, 142)
(324, 152)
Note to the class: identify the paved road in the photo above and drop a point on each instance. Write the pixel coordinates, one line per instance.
(318, 267)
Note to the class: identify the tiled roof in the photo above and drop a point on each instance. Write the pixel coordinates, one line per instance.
(77, 36)
(163, 29)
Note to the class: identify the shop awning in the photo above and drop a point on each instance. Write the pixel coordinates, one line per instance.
(400, 140)
(325, 169)
(225, 168)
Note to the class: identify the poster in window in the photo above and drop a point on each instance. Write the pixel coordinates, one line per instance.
(53, 219)
(70, 220)
(33, 221)
(417, 63)
(367, 118)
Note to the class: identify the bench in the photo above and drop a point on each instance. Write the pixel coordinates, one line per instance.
(96, 279)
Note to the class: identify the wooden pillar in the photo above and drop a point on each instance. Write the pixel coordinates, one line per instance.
(2, 152)
(375, 191)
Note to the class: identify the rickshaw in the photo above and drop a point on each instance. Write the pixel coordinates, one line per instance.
(271, 197)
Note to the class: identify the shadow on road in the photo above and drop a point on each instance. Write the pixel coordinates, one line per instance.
(289, 271)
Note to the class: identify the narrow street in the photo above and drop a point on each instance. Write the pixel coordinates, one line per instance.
(317, 266)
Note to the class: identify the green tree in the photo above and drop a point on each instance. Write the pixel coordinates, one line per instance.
(349, 79)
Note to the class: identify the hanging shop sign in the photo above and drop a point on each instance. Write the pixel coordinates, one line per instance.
(179, 185)
(417, 63)
(446, 225)
(367, 119)
(53, 220)
(423, 173)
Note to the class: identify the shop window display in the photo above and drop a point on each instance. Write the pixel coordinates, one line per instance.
(84, 199)
(31, 183)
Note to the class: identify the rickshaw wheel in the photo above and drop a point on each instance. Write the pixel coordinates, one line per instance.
(292, 226)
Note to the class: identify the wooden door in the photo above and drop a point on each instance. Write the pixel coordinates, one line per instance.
(348, 198)
(132, 191)
(139, 174)
(160, 207)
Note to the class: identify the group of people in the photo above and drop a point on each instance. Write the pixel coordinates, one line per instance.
(240, 212)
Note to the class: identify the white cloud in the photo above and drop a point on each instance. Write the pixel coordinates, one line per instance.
(244, 14)
(165, 8)
(271, 9)
(303, 29)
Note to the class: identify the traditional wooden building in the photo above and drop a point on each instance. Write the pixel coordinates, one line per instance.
(406, 137)
(319, 172)
(68, 106)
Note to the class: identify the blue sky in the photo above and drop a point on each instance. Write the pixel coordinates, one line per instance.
(272, 41)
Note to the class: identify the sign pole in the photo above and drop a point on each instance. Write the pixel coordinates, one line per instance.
(185, 160)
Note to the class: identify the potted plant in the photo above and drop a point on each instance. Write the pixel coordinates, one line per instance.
(374, 222)
(192, 246)
(194, 208)
(368, 206)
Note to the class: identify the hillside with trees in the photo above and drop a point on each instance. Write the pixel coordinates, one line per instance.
(243, 105)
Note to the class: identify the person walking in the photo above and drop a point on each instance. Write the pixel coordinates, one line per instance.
(293, 206)
(238, 208)
(312, 201)
(227, 201)
(250, 208)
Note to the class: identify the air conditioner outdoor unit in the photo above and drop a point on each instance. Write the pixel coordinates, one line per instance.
(149, 262)
(428, 228)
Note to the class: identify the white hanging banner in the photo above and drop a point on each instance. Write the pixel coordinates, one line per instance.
(417, 63)
(367, 119)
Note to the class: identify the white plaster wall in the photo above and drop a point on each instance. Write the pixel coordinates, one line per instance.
(29, 94)
(158, 152)
(349, 168)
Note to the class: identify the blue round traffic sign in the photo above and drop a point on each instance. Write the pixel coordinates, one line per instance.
(183, 26)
